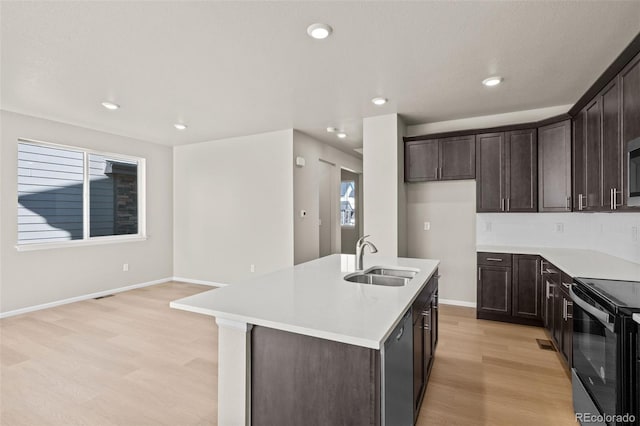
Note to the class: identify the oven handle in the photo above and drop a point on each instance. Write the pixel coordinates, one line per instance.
(601, 316)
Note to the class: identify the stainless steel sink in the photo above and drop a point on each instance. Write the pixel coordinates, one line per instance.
(373, 279)
(402, 273)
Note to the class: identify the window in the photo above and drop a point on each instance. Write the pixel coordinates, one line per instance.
(67, 193)
(348, 203)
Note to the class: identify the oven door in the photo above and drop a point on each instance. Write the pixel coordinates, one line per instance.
(595, 346)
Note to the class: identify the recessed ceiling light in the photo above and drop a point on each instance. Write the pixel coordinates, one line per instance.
(331, 129)
(492, 81)
(110, 105)
(319, 31)
(341, 135)
(379, 101)
(180, 126)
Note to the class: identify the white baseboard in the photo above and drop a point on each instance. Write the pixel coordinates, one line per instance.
(80, 298)
(457, 303)
(203, 282)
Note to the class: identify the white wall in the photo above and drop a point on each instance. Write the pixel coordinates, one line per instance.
(487, 121)
(383, 196)
(615, 234)
(233, 207)
(44, 276)
(450, 208)
(305, 193)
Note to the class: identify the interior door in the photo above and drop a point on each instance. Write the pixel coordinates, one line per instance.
(325, 223)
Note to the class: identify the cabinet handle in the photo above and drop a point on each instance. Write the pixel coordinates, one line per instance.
(426, 327)
(508, 204)
(564, 309)
(400, 333)
(615, 198)
(568, 204)
(480, 273)
(611, 199)
(542, 267)
(436, 173)
(547, 282)
(494, 259)
(566, 285)
(568, 315)
(502, 204)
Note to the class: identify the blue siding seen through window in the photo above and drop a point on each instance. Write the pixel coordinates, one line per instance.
(50, 189)
(50, 194)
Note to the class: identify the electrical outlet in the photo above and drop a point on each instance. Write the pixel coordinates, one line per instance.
(635, 234)
(560, 227)
(125, 267)
(488, 226)
(252, 268)
(427, 226)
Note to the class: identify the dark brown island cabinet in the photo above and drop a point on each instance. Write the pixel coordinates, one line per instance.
(507, 171)
(509, 288)
(304, 380)
(450, 158)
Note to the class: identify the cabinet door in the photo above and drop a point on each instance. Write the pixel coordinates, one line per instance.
(593, 151)
(549, 289)
(418, 362)
(490, 181)
(611, 147)
(421, 161)
(458, 158)
(554, 167)
(579, 158)
(521, 171)
(526, 287)
(630, 100)
(494, 290)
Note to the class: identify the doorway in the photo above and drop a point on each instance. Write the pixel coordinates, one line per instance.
(350, 212)
(325, 204)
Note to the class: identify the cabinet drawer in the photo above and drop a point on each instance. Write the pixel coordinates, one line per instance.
(494, 259)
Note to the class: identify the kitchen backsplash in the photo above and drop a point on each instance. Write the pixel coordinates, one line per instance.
(615, 234)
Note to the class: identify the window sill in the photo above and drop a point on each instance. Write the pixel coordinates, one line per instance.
(118, 239)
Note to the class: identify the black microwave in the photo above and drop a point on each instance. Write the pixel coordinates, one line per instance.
(633, 174)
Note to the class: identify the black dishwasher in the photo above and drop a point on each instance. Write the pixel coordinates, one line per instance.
(397, 375)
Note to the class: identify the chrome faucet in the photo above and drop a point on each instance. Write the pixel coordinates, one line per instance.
(360, 245)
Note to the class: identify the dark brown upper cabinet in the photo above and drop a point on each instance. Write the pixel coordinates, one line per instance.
(579, 168)
(522, 171)
(598, 153)
(490, 176)
(440, 159)
(506, 171)
(630, 118)
(554, 167)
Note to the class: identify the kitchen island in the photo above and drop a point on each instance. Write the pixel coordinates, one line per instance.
(308, 323)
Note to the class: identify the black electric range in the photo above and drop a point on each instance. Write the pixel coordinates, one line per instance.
(605, 388)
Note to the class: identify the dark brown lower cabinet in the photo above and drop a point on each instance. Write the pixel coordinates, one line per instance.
(558, 316)
(509, 288)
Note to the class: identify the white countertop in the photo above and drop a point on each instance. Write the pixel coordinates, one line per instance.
(313, 299)
(636, 318)
(577, 262)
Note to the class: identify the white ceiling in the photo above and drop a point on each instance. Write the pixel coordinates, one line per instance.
(237, 68)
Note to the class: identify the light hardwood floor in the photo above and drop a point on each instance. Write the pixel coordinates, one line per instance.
(130, 360)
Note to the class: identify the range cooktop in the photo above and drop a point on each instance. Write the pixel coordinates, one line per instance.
(620, 295)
